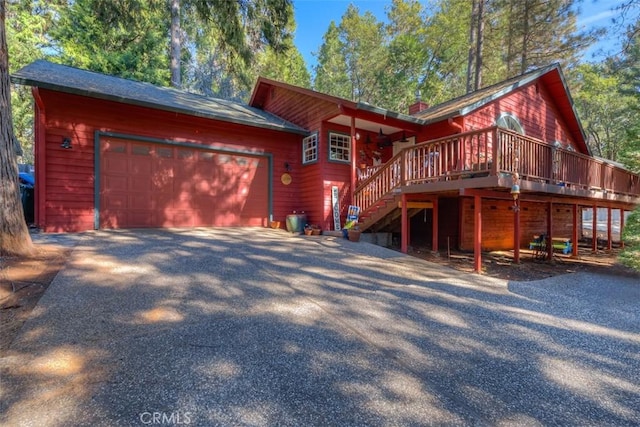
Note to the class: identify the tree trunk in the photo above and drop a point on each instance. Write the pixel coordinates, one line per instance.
(525, 37)
(14, 235)
(472, 33)
(479, 40)
(510, 36)
(175, 44)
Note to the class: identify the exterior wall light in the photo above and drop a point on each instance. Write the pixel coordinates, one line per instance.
(66, 143)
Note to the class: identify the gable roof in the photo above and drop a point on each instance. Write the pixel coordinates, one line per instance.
(551, 76)
(263, 85)
(75, 81)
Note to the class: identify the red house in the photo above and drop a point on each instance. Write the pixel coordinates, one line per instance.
(488, 170)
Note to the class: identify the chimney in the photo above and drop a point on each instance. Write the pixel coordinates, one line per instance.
(418, 106)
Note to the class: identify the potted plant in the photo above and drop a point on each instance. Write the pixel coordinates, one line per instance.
(354, 234)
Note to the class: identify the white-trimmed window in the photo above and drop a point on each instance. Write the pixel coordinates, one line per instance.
(339, 147)
(310, 149)
(511, 122)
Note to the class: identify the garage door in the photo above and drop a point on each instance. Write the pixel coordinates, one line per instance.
(160, 185)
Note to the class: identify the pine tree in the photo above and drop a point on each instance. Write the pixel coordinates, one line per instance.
(331, 71)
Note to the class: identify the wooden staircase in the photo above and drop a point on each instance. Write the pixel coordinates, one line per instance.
(381, 209)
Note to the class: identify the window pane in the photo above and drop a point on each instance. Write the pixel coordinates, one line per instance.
(310, 148)
(141, 150)
(339, 147)
(185, 154)
(167, 153)
(206, 156)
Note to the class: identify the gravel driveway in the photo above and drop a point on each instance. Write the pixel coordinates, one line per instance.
(257, 327)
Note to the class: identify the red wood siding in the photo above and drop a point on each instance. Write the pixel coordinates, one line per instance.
(534, 108)
(497, 223)
(300, 109)
(69, 182)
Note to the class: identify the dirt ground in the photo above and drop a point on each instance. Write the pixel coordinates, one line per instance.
(500, 263)
(24, 280)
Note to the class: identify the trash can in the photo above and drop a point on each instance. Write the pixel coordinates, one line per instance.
(296, 222)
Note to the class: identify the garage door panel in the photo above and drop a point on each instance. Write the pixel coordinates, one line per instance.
(116, 183)
(140, 201)
(116, 200)
(150, 185)
(140, 219)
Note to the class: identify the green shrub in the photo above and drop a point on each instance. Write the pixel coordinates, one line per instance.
(630, 256)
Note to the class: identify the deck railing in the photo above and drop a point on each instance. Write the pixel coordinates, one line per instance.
(491, 151)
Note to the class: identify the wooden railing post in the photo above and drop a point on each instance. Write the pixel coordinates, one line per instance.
(403, 167)
(495, 149)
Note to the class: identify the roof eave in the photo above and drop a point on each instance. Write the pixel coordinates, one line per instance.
(388, 113)
(17, 79)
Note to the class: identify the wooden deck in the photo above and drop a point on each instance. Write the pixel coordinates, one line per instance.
(490, 159)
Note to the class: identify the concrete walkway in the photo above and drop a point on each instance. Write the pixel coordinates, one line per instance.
(257, 327)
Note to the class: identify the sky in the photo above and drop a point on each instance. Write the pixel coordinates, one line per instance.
(314, 16)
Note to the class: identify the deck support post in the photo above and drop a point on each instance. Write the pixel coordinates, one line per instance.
(477, 234)
(434, 232)
(549, 231)
(594, 230)
(609, 237)
(404, 226)
(574, 232)
(516, 231)
(621, 228)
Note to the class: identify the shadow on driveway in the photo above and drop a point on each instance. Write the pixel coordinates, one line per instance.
(260, 327)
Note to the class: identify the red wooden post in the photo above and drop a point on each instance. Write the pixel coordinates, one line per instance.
(516, 231)
(434, 233)
(477, 234)
(594, 231)
(353, 158)
(621, 227)
(609, 237)
(549, 231)
(404, 226)
(574, 232)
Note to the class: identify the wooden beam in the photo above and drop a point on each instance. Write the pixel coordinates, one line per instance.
(549, 231)
(477, 234)
(574, 232)
(609, 237)
(434, 229)
(404, 226)
(417, 205)
(353, 159)
(621, 227)
(594, 231)
(516, 231)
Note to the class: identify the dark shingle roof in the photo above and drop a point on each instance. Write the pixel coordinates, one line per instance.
(474, 100)
(62, 78)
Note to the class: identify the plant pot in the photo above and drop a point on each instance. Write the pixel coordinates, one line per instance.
(354, 235)
(315, 231)
(274, 224)
(308, 231)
